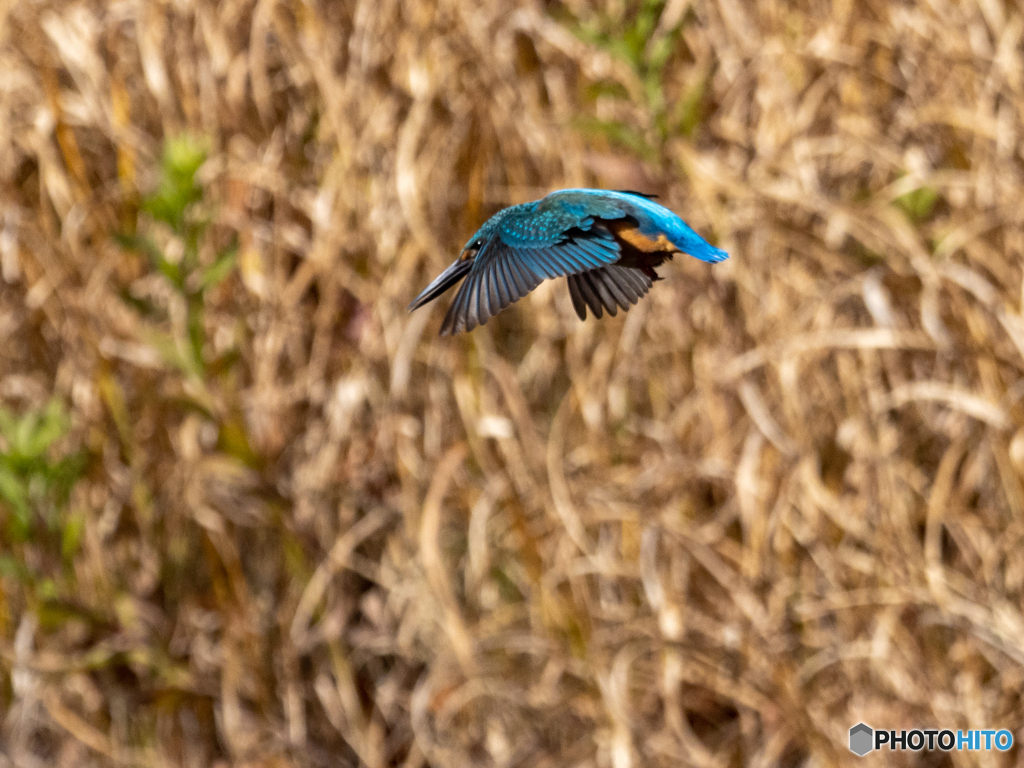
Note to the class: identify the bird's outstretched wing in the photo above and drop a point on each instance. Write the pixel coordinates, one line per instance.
(610, 287)
(502, 273)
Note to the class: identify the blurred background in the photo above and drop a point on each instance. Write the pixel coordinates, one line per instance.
(252, 513)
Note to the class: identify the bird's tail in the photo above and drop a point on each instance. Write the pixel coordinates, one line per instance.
(442, 283)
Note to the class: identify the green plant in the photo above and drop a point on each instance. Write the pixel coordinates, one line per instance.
(633, 41)
(918, 204)
(177, 202)
(181, 207)
(34, 486)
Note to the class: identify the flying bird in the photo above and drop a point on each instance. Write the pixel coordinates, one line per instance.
(605, 243)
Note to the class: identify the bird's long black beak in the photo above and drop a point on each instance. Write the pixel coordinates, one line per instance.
(442, 282)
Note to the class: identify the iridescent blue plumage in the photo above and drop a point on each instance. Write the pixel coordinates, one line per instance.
(606, 243)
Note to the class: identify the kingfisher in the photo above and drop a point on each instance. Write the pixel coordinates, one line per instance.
(606, 243)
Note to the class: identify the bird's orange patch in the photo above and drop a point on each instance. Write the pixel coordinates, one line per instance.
(642, 242)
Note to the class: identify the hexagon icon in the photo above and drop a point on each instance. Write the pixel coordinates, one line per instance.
(861, 738)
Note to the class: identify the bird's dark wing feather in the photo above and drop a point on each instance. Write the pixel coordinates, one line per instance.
(490, 287)
(609, 287)
(502, 274)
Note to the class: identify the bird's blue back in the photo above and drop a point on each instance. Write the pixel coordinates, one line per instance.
(545, 222)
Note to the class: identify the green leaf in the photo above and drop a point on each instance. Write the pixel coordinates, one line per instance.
(295, 562)
(113, 397)
(46, 428)
(660, 53)
(234, 441)
(919, 203)
(71, 537)
(183, 155)
(13, 568)
(46, 589)
(177, 190)
(138, 244)
(608, 88)
(220, 269)
(63, 475)
(14, 491)
(144, 245)
(171, 271)
(144, 307)
(180, 356)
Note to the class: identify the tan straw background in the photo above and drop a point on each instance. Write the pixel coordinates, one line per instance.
(252, 513)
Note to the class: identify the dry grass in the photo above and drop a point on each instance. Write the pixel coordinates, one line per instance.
(782, 495)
